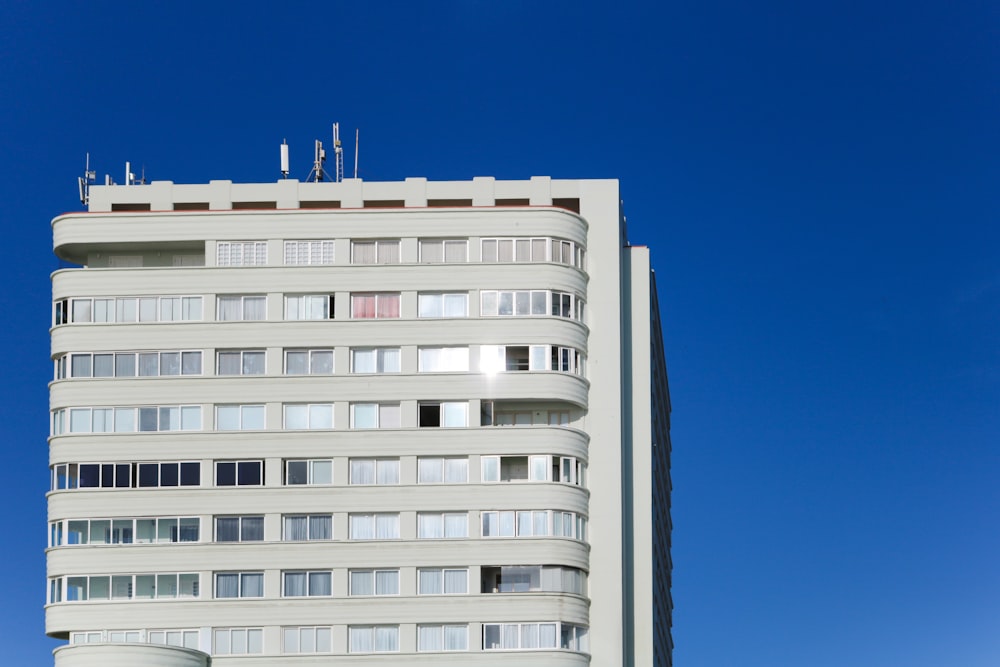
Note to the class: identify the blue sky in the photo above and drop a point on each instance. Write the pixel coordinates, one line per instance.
(818, 183)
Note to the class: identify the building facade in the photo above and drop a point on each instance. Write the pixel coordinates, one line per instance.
(358, 423)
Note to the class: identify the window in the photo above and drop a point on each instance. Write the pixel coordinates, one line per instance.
(536, 523)
(316, 472)
(373, 638)
(239, 585)
(241, 253)
(306, 640)
(442, 581)
(239, 417)
(375, 252)
(375, 415)
(247, 308)
(374, 471)
(375, 360)
(443, 360)
(515, 250)
(309, 307)
(307, 584)
(183, 638)
(374, 306)
(443, 305)
(309, 253)
(239, 529)
(528, 636)
(383, 526)
(515, 468)
(239, 473)
(506, 414)
(445, 414)
(374, 582)
(443, 637)
(128, 309)
(238, 641)
(130, 364)
(442, 525)
(435, 251)
(307, 527)
(311, 416)
(525, 303)
(308, 362)
(124, 475)
(144, 419)
(161, 530)
(158, 586)
(240, 362)
(533, 578)
(450, 470)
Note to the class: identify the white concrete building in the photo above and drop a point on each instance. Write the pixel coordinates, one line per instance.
(357, 424)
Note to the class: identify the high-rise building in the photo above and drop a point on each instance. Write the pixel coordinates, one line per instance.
(359, 424)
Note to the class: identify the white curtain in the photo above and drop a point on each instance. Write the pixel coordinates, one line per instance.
(386, 638)
(387, 582)
(362, 471)
(387, 472)
(321, 527)
(431, 251)
(430, 526)
(456, 525)
(456, 305)
(321, 416)
(456, 582)
(363, 361)
(252, 585)
(388, 416)
(363, 252)
(229, 307)
(361, 640)
(362, 582)
(429, 638)
(429, 471)
(386, 526)
(388, 252)
(547, 635)
(429, 582)
(227, 585)
(456, 638)
(319, 584)
(296, 528)
(456, 251)
(362, 526)
(295, 584)
(254, 308)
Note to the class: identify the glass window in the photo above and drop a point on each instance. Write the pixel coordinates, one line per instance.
(304, 253)
(375, 360)
(374, 582)
(305, 527)
(443, 359)
(375, 306)
(308, 362)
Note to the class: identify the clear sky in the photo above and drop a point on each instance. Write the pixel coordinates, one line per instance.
(818, 183)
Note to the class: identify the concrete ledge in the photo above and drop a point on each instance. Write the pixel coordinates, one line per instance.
(128, 655)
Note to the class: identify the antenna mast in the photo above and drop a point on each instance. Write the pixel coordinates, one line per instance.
(284, 158)
(338, 153)
(85, 181)
(357, 135)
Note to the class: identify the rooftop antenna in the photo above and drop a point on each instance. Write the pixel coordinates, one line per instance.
(338, 153)
(284, 158)
(318, 173)
(85, 181)
(129, 176)
(357, 135)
